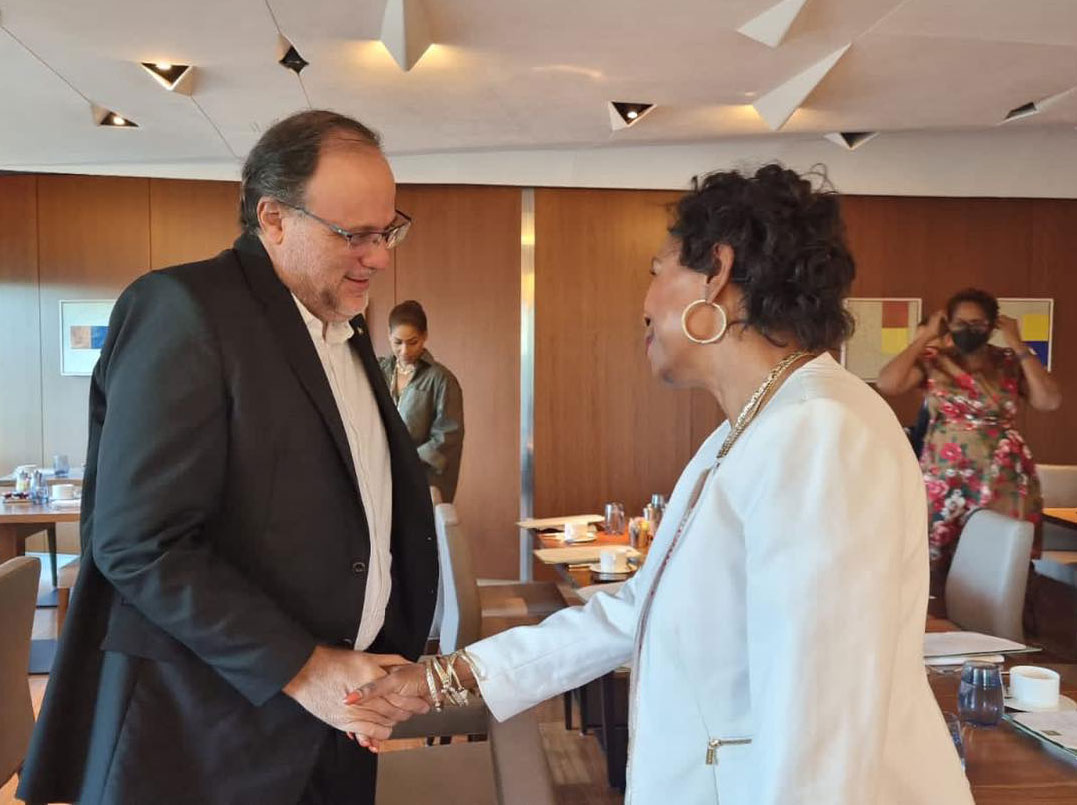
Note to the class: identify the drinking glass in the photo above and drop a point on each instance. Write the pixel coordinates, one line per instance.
(615, 518)
(39, 488)
(953, 723)
(61, 466)
(980, 695)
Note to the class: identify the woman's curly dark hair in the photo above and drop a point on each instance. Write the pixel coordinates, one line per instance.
(790, 257)
(984, 300)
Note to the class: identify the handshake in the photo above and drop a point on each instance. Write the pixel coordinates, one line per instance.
(366, 695)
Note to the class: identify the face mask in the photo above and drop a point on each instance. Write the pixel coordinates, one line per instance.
(968, 341)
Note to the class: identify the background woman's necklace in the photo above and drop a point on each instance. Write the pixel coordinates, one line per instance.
(405, 370)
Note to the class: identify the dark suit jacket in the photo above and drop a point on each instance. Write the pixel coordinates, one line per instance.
(223, 537)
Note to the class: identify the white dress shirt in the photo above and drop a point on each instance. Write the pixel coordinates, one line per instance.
(784, 639)
(370, 454)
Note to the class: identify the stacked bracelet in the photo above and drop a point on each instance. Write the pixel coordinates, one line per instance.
(443, 681)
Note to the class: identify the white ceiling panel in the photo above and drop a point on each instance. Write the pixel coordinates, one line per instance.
(510, 75)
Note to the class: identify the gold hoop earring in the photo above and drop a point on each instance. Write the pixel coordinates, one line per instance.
(714, 338)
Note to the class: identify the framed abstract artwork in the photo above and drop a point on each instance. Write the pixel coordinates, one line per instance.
(83, 328)
(884, 327)
(1035, 320)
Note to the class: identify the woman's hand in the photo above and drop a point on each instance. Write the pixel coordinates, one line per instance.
(1011, 333)
(936, 326)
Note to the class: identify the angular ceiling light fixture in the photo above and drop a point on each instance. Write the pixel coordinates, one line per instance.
(778, 105)
(1035, 107)
(405, 31)
(772, 25)
(851, 140)
(288, 56)
(173, 77)
(624, 114)
(109, 119)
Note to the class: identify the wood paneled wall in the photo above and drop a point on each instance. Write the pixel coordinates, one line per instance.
(932, 247)
(89, 238)
(604, 429)
(461, 261)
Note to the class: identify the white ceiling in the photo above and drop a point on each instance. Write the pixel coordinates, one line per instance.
(508, 74)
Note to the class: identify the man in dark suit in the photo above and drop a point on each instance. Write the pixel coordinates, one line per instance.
(257, 530)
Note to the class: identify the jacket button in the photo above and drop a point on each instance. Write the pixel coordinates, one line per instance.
(347, 642)
(358, 568)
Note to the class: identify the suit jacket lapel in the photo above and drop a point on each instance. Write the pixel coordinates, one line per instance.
(294, 340)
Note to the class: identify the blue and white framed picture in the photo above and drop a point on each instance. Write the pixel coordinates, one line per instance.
(83, 328)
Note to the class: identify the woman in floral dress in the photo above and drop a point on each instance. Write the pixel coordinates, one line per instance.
(974, 456)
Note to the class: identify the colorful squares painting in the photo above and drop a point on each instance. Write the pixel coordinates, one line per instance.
(884, 328)
(1035, 320)
(85, 336)
(83, 329)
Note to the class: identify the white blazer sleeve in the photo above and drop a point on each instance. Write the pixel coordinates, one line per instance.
(524, 666)
(823, 543)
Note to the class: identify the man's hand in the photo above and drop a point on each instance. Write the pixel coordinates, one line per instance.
(324, 682)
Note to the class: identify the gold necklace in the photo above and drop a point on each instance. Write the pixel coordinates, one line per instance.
(407, 371)
(755, 402)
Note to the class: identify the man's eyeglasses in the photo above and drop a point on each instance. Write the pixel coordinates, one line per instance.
(390, 237)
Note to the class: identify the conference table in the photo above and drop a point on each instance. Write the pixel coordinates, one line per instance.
(1003, 764)
(18, 522)
(1061, 516)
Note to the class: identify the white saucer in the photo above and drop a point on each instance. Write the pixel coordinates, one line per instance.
(67, 504)
(590, 536)
(596, 568)
(1065, 705)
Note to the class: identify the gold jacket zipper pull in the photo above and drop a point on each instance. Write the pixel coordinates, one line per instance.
(712, 751)
(714, 744)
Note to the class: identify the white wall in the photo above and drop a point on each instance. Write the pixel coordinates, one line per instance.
(1017, 162)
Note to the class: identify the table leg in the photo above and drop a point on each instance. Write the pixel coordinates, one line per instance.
(52, 552)
(616, 744)
(9, 542)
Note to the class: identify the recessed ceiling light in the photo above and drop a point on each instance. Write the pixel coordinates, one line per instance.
(173, 77)
(1024, 110)
(627, 113)
(291, 60)
(113, 120)
(851, 140)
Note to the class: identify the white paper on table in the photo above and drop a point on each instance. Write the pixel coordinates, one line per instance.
(953, 644)
(559, 522)
(961, 659)
(581, 555)
(1057, 727)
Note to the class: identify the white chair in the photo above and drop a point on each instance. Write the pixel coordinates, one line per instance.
(508, 769)
(471, 611)
(468, 613)
(985, 590)
(18, 598)
(1058, 482)
(435, 624)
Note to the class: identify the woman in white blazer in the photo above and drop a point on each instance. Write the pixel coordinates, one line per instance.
(775, 631)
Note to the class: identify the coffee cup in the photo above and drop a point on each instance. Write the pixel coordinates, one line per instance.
(64, 492)
(613, 560)
(574, 531)
(1034, 687)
